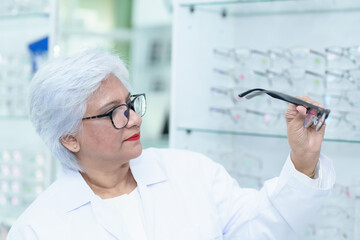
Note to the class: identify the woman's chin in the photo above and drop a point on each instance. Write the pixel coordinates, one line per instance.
(136, 151)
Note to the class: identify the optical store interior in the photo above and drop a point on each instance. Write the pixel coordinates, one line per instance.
(192, 58)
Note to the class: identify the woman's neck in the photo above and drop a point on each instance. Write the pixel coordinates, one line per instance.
(110, 183)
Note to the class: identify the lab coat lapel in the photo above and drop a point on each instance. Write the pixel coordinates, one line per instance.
(148, 172)
(149, 206)
(82, 194)
(109, 219)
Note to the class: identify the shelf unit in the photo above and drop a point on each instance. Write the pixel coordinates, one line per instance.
(26, 165)
(253, 134)
(213, 35)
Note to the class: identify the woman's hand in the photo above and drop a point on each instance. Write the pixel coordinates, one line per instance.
(305, 143)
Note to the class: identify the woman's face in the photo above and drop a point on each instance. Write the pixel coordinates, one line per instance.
(100, 143)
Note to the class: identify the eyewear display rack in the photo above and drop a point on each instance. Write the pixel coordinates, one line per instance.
(221, 48)
(26, 166)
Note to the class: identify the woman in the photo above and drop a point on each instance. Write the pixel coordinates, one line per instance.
(112, 189)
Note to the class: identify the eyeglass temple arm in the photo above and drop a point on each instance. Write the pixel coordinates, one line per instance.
(278, 95)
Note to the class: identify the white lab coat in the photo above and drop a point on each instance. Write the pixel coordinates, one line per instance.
(184, 196)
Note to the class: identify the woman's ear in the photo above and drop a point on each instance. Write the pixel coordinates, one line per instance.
(71, 143)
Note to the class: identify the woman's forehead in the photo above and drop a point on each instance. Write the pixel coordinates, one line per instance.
(110, 89)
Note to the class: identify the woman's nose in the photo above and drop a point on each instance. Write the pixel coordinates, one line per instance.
(134, 119)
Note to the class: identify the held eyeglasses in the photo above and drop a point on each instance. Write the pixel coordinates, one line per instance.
(120, 114)
(314, 115)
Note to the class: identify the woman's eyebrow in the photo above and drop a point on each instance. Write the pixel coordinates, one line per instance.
(113, 103)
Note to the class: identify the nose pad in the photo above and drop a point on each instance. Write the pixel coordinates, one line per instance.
(126, 113)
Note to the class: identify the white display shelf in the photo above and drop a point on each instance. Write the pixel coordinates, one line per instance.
(201, 28)
(253, 134)
(117, 34)
(277, 6)
(25, 16)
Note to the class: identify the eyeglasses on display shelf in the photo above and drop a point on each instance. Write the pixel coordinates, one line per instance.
(294, 77)
(247, 180)
(343, 100)
(290, 79)
(299, 56)
(342, 192)
(18, 7)
(225, 93)
(280, 58)
(244, 167)
(262, 78)
(347, 121)
(344, 57)
(225, 157)
(245, 57)
(24, 175)
(219, 93)
(315, 232)
(239, 161)
(246, 163)
(332, 83)
(240, 76)
(246, 77)
(277, 80)
(275, 58)
(301, 79)
(315, 115)
(245, 118)
(337, 212)
(343, 79)
(15, 73)
(307, 57)
(231, 95)
(314, 81)
(337, 216)
(221, 115)
(332, 222)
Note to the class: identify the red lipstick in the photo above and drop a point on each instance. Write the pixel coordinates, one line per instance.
(134, 137)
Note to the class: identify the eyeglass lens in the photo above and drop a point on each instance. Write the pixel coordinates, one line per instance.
(311, 118)
(314, 118)
(321, 122)
(139, 105)
(120, 116)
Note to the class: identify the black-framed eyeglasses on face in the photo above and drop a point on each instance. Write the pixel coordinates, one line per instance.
(314, 115)
(120, 114)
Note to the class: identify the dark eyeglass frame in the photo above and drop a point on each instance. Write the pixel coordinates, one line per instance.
(321, 113)
(129, 106)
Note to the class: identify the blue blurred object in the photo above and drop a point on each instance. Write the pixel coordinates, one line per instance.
(38, 52)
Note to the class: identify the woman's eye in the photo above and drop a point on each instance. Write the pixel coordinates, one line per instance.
(110, 110)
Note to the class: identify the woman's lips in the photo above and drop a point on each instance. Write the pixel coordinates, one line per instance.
(134, 137)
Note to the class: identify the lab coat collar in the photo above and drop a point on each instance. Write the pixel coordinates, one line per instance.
(76, 192)
(146, 168)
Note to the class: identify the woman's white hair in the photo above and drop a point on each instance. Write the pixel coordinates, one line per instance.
(59, 93)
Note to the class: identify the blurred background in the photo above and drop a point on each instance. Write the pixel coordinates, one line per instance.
(192, 58)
